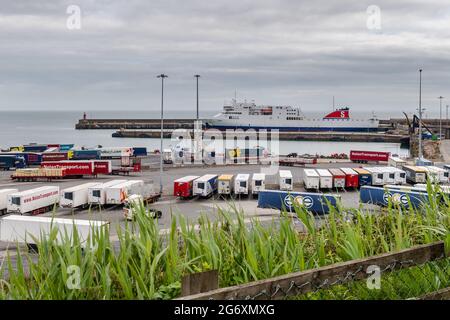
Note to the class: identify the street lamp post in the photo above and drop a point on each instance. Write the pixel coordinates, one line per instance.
(197, 76)
(440, 116)
(162, 76)
(420, 114)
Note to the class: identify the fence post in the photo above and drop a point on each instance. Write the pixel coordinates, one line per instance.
(200, 282)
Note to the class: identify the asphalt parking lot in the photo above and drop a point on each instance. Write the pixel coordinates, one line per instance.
(169, 205)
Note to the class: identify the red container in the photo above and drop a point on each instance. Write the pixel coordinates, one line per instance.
(351, 178)
(366, 156)
(73, 168)
(102, 167)
(54, 156)
(183, 187)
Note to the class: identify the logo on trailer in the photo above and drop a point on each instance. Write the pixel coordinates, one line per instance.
(307, 202)
(396, 198)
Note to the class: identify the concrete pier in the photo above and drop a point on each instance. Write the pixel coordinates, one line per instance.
(286, 136)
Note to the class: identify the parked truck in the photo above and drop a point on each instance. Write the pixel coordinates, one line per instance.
(338, 178)
(8, 162)
(77, 196)
(73, 168)
(26, 229)
(396, 162)
(136, 202)
(34, 201)
(369, 156)
(364, 177)
(4, 193)
(97, 194)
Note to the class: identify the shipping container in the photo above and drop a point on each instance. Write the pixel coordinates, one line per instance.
(378, 177)
(351, 178)
(35, 148)
(34, 201)
(206, 185)
(258, 183)
(325, 179)
(4, 193)
(225, 184)
(31, 158)
(311, 179)
(118, 193)
(338, 178)
(382, 196)
(73, 168)
(97, 194)
(285, 180)
(65, 147)
(25, 229)
(183, 187)
(369, 156)
(396, 162)
(242, 184)
(286, 200)
(139, 152)
(364, 177)
(55, 156)
(85, 154)
(8, 162)
(77, 196)
(415, 174)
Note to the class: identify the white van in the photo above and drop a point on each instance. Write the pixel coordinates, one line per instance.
(325, 179)
(242, 184)
(311, 179)
(258, 183)
(286, 182)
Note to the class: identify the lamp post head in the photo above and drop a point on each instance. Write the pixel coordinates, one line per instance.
(162, 75)
(197, 76)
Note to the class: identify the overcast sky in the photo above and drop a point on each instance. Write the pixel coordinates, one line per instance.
(273, 51)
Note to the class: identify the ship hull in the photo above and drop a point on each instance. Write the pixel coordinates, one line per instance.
(294, 129)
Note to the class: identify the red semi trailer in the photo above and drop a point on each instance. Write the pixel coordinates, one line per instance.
(54, 156)
(102, 167)
(73, 168)
(183, 187)
(366, 156)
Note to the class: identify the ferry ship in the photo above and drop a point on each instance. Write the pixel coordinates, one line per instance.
(246, 115)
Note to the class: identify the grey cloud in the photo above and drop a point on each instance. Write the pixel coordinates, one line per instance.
(280, 52)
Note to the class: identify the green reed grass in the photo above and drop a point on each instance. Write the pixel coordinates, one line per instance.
(145, 264)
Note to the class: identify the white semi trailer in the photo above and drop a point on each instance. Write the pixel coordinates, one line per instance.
(97, 194)
(77, 196)
(25, 229)
(34, 201)
(117, 194)
(4, 199)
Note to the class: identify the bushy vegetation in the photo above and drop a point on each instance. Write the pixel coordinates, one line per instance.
(144, 264)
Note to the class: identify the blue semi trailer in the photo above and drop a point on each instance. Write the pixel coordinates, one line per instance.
(396, 196)
(283, 200)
